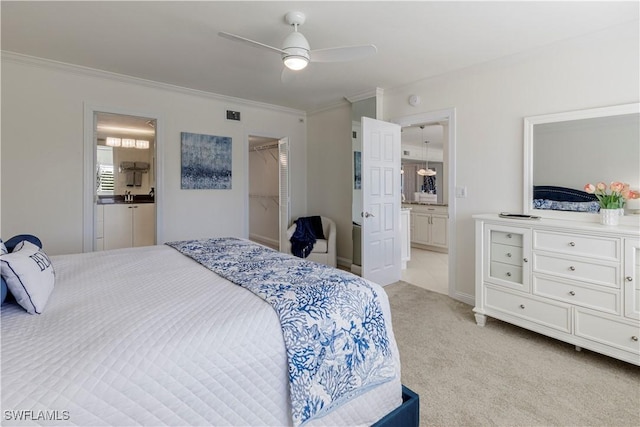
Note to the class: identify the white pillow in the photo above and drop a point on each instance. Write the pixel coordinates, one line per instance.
(29, 276)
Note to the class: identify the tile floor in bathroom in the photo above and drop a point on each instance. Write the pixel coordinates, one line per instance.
(428, 270)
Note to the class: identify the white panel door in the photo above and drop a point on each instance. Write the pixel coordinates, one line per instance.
(381, 234)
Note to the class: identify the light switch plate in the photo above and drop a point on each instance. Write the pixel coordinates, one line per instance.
(461, 192)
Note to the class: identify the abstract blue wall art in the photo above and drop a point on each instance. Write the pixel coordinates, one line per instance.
(206, 162)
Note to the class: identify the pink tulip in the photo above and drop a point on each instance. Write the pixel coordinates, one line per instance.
(616, 186)
(633, 195)
(589, 188)
(601, 186)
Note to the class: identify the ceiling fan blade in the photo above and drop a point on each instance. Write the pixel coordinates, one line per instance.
(250, 42)
(340, 54)
(293, 78)
(287, 76)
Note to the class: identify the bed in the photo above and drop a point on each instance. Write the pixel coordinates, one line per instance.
(557, 198)
(153, 336)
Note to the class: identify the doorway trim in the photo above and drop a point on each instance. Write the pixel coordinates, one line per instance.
(448, 115)
(89, 191)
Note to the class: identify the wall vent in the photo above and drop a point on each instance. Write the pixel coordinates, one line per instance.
(406, 153)
(233, 115)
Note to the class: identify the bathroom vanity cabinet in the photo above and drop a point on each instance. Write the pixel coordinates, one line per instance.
(128, 225)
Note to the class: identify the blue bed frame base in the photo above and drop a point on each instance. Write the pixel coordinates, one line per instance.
(405, 415)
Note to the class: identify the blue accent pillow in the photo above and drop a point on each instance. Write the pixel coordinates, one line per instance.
(3, 295)
(562, 194)
(12, 242)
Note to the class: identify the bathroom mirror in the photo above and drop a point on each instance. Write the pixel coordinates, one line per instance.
(568, 150)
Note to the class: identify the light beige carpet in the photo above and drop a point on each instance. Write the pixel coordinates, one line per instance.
(501, 374)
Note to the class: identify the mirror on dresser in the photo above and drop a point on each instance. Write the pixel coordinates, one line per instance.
(568, 150)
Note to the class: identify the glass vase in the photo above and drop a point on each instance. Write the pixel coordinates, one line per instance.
(609, 216)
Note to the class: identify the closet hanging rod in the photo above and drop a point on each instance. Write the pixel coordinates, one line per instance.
(265, 147)
(263, 196)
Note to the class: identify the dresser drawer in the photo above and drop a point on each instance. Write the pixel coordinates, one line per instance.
(599, 328)
(575, 244)
(606, 274)
(506, 238)
(507, 254)
(556, 316)
(598, 297)
(508, 272)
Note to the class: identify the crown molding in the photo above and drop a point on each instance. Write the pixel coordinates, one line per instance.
(329, 107)
(123, 78)
(369, 93)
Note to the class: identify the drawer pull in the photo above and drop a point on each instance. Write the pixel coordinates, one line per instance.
(629, 279)
(525, 260)
(572, 244)
(522, 306)
(572, 293)
(572, 268)
(508, 274)
(509, 236)
(634, 338)
(508, 254)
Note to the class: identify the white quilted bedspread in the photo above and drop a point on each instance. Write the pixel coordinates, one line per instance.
(146, 336)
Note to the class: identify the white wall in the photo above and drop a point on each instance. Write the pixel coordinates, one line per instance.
(491, 101)
(330, 182)
(42, 151)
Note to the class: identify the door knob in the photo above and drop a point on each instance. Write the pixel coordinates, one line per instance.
(367, 215)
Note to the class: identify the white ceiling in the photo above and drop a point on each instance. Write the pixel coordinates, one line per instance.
(177, 42)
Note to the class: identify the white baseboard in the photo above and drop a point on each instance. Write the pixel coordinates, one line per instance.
(463, 297)
(344, 262)
(267, 241)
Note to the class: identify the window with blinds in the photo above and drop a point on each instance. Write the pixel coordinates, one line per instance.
(106, 183)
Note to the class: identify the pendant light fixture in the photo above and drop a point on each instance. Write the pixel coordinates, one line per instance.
(425, 171)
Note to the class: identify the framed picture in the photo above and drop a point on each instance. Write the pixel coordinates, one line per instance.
(357, 170)
(205, 162)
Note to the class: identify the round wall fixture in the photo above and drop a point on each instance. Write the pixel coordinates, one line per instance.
(414, 100)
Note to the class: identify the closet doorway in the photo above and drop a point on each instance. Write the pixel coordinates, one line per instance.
(268, 190)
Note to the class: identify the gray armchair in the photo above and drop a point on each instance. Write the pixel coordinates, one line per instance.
(324, 250)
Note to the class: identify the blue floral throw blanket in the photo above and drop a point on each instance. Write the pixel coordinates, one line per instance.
(332, 322)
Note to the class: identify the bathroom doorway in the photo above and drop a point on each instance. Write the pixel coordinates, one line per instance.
(122, 178)
(433, 221)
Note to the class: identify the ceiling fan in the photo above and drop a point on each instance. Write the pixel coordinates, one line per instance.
(296, 53)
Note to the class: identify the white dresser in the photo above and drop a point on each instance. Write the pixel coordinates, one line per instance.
(577, 282)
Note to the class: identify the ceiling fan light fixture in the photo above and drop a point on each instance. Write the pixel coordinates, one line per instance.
(295, 62)
(296, 51)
